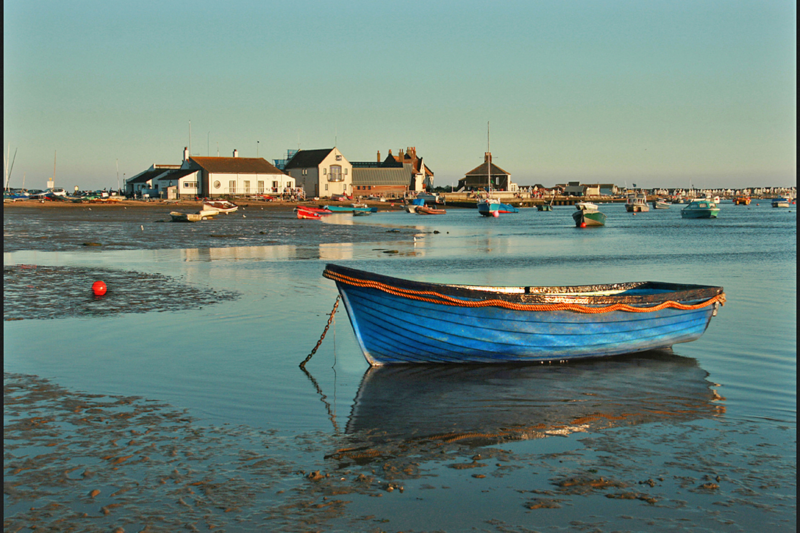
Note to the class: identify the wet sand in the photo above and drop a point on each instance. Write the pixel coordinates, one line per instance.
(138, 225)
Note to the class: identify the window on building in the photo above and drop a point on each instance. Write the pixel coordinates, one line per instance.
(232, 186)
(339, 157)
(345, 171)
(260, 186)
(336, 173)
(247, 186)
(326, 186)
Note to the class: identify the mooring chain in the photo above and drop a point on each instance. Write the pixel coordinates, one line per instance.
(319, 342)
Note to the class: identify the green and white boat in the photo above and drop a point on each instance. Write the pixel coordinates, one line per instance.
(700, 209)
(587, 215)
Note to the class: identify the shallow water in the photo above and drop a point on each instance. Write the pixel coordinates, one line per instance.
(495, 449)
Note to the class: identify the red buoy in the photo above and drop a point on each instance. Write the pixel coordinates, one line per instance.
(583, 224)
(99, 288)
(495, 214)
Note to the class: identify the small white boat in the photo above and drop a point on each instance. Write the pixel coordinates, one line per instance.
(780, 202)
(204, 214)
(659, 203)
(637, 203)
(223, 206)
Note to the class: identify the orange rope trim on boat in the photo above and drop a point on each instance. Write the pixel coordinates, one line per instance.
(448, 300)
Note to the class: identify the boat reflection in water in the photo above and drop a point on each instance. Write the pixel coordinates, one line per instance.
(416, 405)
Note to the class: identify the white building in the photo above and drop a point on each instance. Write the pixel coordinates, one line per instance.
(321, 173)
(209, 177)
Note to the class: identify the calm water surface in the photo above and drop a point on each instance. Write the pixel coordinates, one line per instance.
(721, 407)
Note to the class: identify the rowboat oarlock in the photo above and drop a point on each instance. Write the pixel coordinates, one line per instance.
(403, 321)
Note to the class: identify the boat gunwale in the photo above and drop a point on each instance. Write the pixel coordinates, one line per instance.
(547, 294)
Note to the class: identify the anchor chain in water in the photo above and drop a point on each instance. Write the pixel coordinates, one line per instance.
(319, 342)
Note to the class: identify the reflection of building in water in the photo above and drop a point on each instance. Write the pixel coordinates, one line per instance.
(336, 251)
(241, 253)
(288, 252)
(411, 405)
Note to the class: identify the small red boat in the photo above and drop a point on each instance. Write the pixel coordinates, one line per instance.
(425, 210)
(308, 215)
(317, 210)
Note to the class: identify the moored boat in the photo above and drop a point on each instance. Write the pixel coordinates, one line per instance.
(223, 206)
(411, 207)
(204, 214)
(425, 210)
(403, 321)
(489, 207)
(304, 214)
(780, 202)
(544, 207)
(741, 200)
(700, 209)
(659, 203)
(587, 214)
(350, 208)
(636, 203)
(317, 210)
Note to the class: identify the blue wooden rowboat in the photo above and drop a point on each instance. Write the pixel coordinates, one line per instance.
(403, 321)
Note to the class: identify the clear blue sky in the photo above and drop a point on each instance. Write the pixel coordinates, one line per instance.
(661, 93)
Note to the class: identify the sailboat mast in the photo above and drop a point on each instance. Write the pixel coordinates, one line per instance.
(5, 163)
(488, 157)
(8, 177)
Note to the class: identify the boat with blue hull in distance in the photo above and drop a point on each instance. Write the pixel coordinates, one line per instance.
(700, 209)
(402, 321)
(780, 202)
(489, 207)
(350, 208)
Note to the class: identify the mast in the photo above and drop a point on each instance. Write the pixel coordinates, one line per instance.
(5, 163)
(8, 174)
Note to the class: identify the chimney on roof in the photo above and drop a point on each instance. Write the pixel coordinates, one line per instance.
(487, 157)
(235, 153)
(400, 155)
(185, 153)
(379, 156)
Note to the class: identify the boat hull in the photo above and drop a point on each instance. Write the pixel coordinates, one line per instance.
(192, 217)
(544, 207)
(423, 210)
(349, 209)
(699, 213)
(393, 328)
(488, 209)
(222, 207)
(590, 218)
